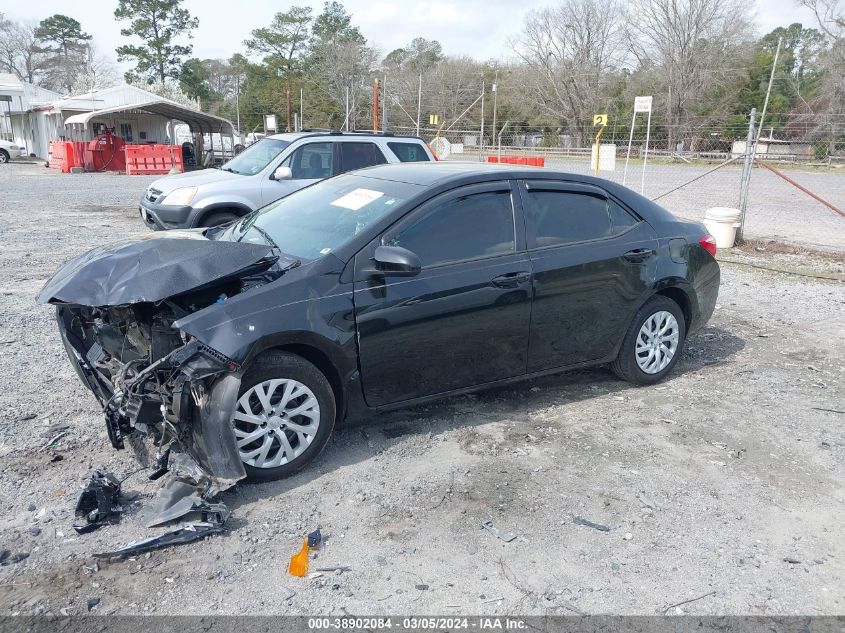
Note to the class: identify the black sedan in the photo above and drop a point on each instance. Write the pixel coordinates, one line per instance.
(242, 346)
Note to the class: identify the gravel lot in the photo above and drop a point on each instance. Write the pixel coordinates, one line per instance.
(726, 481)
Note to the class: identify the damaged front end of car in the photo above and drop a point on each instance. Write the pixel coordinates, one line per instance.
(156, 384)
(116, 309)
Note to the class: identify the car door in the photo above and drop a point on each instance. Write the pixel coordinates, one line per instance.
(309, 163)
(593, 262)
(463, 320)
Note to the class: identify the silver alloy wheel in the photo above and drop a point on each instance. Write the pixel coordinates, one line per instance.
(275, 422)
(657, 342)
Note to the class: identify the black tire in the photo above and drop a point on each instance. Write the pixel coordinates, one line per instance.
(4, 156)
(276, 364)
(625, 366)
(214, 219)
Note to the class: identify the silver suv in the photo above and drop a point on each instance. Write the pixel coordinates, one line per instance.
(266, 171)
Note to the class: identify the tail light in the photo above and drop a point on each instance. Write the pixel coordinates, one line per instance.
(708, 243)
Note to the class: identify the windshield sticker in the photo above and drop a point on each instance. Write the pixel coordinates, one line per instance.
(358, 198)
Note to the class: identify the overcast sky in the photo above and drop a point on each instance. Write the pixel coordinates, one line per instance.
(479, 28)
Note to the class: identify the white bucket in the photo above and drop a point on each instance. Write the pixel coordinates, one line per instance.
(722, 222)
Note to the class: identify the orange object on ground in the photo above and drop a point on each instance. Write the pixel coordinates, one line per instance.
(534, 161)
(299, 561)
(153, 159)
(61, 156)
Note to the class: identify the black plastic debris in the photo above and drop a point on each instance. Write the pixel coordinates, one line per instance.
(98, 503)
(590, 524)
(315, 539)
(185, 533)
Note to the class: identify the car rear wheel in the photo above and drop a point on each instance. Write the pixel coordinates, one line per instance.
(4, 156)
(284, 416)
(653, 343)
(216, 219)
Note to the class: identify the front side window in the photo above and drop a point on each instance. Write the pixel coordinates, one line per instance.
(408, 152)
(256, 157)
(313, 161)
(565, 217)
(462, 228)
(360, 155)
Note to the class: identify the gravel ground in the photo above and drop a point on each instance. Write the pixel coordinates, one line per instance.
(726, 481)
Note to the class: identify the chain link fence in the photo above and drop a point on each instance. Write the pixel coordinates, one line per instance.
(690, 172)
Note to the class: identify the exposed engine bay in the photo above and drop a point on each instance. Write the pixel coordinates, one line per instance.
(165, 393)
(150, 379)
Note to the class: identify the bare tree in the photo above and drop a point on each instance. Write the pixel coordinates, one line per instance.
(571, 53)
(20, 51)
(96, 73)
(693, 45)
(830, 15)
(346, 67)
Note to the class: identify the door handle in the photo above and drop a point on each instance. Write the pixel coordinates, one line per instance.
(638, 254)
(511, 280)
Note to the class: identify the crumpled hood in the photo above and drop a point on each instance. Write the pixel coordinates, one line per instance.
(151, 268)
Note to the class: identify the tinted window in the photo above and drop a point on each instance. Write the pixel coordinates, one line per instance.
(408, 152)
(311, 161)
(476, 225)
(360, 155)
(620, 218)
(563, 217)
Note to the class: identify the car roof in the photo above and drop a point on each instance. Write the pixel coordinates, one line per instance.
(455, 172)
(444, 175)
(295, 136)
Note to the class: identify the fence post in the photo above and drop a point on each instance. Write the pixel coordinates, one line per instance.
(746, 173)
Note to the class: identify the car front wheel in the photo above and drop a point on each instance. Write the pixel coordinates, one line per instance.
(284, 416)
(4, 156)
(653, 343)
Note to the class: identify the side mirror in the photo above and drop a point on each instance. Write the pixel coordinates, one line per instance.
(282, 173)
(395, 260)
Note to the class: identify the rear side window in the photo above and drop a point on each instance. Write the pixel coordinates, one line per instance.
(461, 228)
(620, 218)
(409, 152)
(565, 217)
(360, 155)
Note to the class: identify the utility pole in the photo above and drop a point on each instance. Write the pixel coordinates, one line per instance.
(375, 106)
(287, 110)
(384, 105)
(301, 119)
(481, 128)
(346, 122)
(495, 102)
(419, 104)
(768, 94)
(238, 100)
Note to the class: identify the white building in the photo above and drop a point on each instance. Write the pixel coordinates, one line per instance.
(139, 117)
(19, 103)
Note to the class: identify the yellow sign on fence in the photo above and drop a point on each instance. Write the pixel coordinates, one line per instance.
(433, 119)
(599, 119)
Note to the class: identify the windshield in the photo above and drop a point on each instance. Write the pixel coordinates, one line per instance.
(255, 157)
(314, 221)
